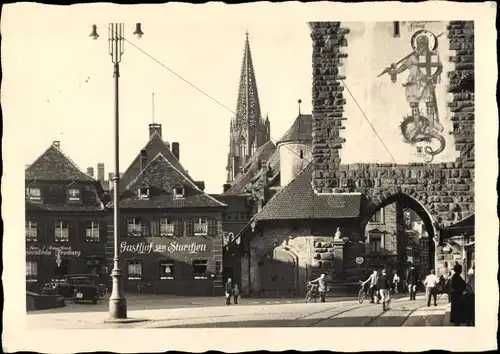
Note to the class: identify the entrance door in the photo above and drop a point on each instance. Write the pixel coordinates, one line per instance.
(277, 274)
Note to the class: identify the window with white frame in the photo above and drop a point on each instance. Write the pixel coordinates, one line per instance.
(31, 230)
(61, 233)
(92, 231)
(166, 227)
(179, 192)
(166, 269)
(31, 270)
(143, 192)
(200, 226)
(200, 269)
(74, 195)
(134, 227)
(134, 269)
(378, 217)
(34, 194)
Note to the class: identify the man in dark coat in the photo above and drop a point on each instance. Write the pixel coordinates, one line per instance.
(411, 282)
(228, 291)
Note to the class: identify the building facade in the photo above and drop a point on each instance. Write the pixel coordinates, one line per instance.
(65, 220)
(170, 230)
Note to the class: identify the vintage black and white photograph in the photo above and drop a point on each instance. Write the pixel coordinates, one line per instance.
(186, 172)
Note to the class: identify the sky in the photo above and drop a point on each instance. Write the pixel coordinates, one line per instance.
(61, 87)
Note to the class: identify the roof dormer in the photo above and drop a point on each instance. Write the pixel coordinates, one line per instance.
(143, 192)
(179, 191)
(74, 192)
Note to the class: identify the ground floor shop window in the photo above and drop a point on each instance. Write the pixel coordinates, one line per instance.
(134, 270)
(200, 269)
(31, 271)
(166, 269)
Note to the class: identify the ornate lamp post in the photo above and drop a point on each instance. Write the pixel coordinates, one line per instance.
(117, 301)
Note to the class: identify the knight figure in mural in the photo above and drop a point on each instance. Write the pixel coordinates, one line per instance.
(424, 73)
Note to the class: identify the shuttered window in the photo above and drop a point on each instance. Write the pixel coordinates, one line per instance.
(177, 228)
(154, 229)
(189, 227)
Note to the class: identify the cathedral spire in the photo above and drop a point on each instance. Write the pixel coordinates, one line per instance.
(248, 131)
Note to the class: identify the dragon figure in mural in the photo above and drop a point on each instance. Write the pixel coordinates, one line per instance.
(424, 72)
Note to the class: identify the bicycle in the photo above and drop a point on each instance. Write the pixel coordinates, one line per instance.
(362, 295)
(147, 288)
(312, 292)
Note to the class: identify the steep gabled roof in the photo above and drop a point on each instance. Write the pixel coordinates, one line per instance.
(154, 146)
(301, 129)
(252, 168)
(54, 165)
(299, 201)
(162, 177)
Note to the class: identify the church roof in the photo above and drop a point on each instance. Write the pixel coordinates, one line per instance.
(301, 129)
(251, 169)
(154, 146)
(54, 165)
(161, 176)
(298, 200)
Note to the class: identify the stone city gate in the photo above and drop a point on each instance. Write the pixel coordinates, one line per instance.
(445, 190)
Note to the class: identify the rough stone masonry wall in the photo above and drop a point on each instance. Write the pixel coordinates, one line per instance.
(446, 190)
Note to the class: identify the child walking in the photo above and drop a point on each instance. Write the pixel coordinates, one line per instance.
(236, 293)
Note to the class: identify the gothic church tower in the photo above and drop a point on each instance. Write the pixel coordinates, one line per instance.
(248, 131)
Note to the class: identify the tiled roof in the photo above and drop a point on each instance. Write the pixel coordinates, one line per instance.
(54, 165)
(301, 129)
(64, 207)
(154, 146)
(251, 168)
(161, 177)
(299, 201)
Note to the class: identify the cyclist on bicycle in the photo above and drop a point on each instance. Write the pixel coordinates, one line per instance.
(372, 289)
(322, 289)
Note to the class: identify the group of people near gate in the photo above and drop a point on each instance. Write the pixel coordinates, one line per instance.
(460, 293)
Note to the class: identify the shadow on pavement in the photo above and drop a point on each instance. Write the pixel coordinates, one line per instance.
(392, 321)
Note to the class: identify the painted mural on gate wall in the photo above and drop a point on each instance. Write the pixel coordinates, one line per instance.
(398, 112)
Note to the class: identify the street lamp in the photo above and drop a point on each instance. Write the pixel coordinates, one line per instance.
(117, 301)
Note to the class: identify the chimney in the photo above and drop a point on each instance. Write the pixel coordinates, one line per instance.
(200, 184)
(56, 143)
(90, 171)
(143, 158)
(225, 187)
(236, 166)
(100, 172)
(175, 150)
(155, 127)
(264, 195)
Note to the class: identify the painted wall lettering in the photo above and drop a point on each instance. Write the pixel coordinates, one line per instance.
(173, 247)
(52, 251)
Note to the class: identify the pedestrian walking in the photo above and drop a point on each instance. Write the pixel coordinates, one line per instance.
(384, 287)
(395, 283)
(431, 282)
(373, 281)
(236, 293)
(411, 282)
(229, 291)
(471, 276)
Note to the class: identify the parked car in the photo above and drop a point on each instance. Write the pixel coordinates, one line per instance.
(79, 287)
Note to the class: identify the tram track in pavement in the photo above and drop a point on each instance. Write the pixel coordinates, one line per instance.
(368, 324)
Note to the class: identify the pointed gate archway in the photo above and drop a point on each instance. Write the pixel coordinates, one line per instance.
(278, 273)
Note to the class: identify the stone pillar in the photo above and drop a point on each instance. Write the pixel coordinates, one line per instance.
(245, 275)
